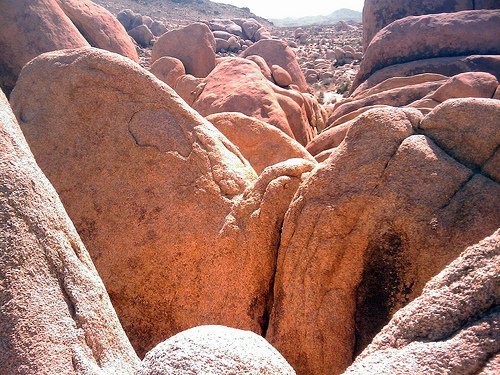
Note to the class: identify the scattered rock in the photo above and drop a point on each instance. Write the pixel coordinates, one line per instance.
(276, 52)
(194, 45)
(142, 35)
(168, 69)
(281, 76)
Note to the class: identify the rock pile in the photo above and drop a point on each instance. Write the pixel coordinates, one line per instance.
(31, 27)
(216, 191)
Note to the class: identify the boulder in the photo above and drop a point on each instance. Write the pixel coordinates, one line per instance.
(55, 313)
(158, 28)
(135, 160)
(29, 28)
(250, 28)
(261, 144)
(467, 129)
(281, 76)
(387, 211)
(397, 97)
(246, 94)
(222, 35)
(276, 52)
(32, 27)
(142, 35)
(99, 27)
(416, 39)
(221, 45)
(189, 88)
(448, 66)
(466, 85)
(226, 25)
(261, 34)
(452, 328)
(397, 82)
(126, 17)
(214, 350)
(168, 69)
(234, 45)
(194, 45)
(328, 139)
(377, 14)
(264, 68)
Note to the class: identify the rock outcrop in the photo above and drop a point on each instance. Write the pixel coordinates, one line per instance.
(416, 39)
(451, 328)
(377, 14)
(261, 144)
(368, 228)
(238, 85)
(31, 27)
(277, 52)
(173, 216)
(215, 350)
(194, 45)
(55, 314)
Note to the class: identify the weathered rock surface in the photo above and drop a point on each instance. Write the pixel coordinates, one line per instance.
(55, 314)
(194, 45)
(467, 85)
(417, 38)
(276, 52)
(377, 14)
(168, 69)
(215, 350)
(448, 66)
(237, 85)
(468, 129)
(364, 233)
(261, 144)
(136, 160)
(31, 27)
(452, 328)
(99, 27)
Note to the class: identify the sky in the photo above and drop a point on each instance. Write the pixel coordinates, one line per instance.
(294, 8)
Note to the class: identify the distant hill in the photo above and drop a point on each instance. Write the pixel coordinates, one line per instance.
(338, 15)
(180, 11)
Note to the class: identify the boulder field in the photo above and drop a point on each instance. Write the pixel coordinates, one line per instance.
(206, 213)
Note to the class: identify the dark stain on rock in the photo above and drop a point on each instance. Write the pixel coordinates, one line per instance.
(382, 287)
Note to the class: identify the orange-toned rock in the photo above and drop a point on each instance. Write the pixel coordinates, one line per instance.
(364, 233)
(261, 144)
(277, 52)
(281, 76)
(215, 350)
(194, 45)
(416, 39)
(189, 87)
(466, 85)
(134, 160)
(237, 85)
(31, 27)
(396, 82)
(99, 27)
(264, 68)
(328, 139)
(168, 69)
(468, 129)
(451, 328)
(397, 97)
(55, 314)
(448, 66)
(377, 14)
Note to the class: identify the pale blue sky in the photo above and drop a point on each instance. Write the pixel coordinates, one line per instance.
(294, 8)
